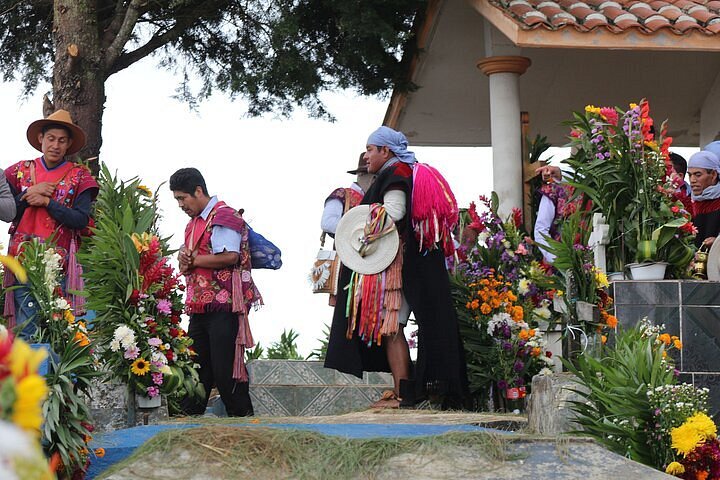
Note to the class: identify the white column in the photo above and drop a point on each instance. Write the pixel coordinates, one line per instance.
(506, 135)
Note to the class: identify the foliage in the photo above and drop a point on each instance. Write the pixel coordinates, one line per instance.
(615, 408)
(275, 53)
(285, 348)
(321, 352)
(66, 429)
(623, 166)
(136, 294)
(254, 353)
(22, 393)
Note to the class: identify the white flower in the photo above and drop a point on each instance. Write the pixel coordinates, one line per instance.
(547, 360)
(61, 304)
(523, 286)
(545, 371)
(125, 336)
(506, 244)
(159, 358)
(115, 345)
(3, 332)
(483, 236)
(543, 312)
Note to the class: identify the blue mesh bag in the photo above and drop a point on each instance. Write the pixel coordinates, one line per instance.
(263, 253)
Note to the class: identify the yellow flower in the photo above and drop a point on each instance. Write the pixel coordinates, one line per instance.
(27, 410)
(145, 190)
(633, 105)
(140, 367)
(703, 424)
(24, 360)
(664, 338)
(675, 468)
(685, 438)
(69, 317)
(14, 266)
(601, 279)
(592, 109)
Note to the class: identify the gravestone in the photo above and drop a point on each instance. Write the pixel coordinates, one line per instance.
(110, 409)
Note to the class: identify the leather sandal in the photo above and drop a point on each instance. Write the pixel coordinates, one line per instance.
(389, 399)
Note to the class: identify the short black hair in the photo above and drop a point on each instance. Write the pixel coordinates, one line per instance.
(187, 180)
(679, 163)
(58, 126)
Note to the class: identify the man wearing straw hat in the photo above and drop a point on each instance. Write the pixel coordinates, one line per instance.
(387, 276)
(53, 197)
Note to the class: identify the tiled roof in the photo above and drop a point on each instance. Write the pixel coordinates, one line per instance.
(679, 16)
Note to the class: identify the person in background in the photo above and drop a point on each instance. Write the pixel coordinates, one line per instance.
(703, 168)
(545, 221)
(683, 192)
(53, 198)
(215, 260)
(344, 198)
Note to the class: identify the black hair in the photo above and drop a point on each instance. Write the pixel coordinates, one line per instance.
(187, 180)
(58, 126)
(679, 163)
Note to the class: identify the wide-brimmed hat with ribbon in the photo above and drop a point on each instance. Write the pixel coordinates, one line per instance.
(60, 117)
(362, 165)
(350, 241)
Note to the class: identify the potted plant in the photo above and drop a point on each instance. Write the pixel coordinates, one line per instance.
(622, 165)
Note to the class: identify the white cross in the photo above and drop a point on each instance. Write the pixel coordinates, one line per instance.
(599, 237)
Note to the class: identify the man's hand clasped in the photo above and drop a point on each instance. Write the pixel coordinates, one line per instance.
(39, 195)
(185, 260)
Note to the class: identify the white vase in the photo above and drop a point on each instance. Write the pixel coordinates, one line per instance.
(648, 270)
(616, 276)
(148, 402)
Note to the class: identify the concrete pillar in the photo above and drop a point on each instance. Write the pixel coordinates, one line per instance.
(506, 134)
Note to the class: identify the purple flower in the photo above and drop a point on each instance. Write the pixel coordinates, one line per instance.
(507, 346)
(519, 381)
(164, 306)
(519, 365)
(155, 342)
(132, 352)
(157, 378)
(657, 412)
(506, 331)
(502, 384)
(153, 391)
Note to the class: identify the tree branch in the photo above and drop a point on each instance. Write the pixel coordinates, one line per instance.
(115, 49)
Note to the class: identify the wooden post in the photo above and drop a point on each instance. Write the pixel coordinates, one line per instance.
(528, 172)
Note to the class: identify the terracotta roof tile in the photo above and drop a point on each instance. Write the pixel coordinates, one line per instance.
(646, 16)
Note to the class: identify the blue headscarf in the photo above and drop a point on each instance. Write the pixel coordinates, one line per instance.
(395, 141)
(713, 147)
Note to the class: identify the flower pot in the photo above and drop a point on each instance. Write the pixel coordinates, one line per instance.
(514, 399)
(559, 304)
(648, 270)
(148, 402)
(614, 276)
(587, 312)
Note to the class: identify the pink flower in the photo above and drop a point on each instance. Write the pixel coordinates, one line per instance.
(153, 391)
(521, 250)
(132, 353)
(164, 306)
(155, 342)
(157, 378)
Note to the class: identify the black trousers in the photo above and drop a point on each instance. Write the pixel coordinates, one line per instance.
(213, 335)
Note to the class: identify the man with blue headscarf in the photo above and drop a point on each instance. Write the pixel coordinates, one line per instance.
(440, 370)
(703, 168)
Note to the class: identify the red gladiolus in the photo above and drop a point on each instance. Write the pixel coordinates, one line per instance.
(517, 217)
(169, 355)
(689, 228)
(174, 332)
(134, 297)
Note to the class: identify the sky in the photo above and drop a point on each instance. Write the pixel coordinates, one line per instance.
(279, 170)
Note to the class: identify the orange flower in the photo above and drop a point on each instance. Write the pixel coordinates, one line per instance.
(99, 452)
(664, 338)
(536, 352)
(701, 475)
(82, 339)
(664, 355)
(603, 339)
(516, 313)
(531, 332)
(611, 321)
(678, 344)
(485, 308)
(523, 334)
(511, 296)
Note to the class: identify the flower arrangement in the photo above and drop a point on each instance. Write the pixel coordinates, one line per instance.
(622, 164)
(66, 429)
(22, 393)
(137, 295)
(624, 402)
(697, 443)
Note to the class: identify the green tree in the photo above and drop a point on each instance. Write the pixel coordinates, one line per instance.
(277, 54)
(286, 348)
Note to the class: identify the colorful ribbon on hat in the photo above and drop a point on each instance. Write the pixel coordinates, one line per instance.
(378, 225)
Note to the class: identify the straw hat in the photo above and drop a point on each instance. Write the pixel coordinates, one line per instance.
(60, 117)
(348, 239)
(713, 262)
